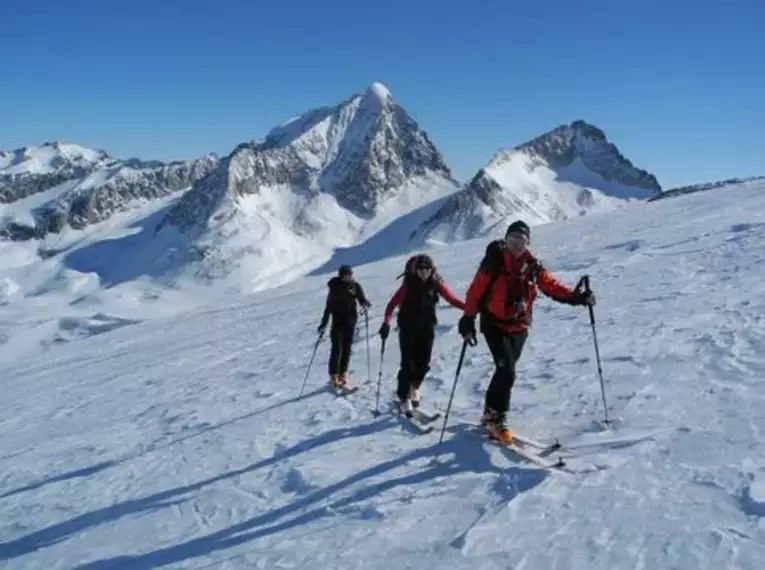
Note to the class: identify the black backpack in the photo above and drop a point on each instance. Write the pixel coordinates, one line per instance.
(494, 264)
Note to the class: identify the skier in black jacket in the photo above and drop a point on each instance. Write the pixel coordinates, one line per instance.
(344, 294)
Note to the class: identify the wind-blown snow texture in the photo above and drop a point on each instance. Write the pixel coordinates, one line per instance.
(181, 443)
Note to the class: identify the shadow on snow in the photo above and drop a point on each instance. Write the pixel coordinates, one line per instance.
(464, 457)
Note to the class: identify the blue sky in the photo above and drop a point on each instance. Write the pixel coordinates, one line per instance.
(678, 85)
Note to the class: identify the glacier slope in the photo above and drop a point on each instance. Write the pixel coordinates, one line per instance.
(181, 443)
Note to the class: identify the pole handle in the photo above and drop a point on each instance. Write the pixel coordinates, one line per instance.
(583, 285)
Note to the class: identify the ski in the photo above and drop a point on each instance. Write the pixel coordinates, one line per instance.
(529, 455)
(544, 448)
(413, 420)
(517, 448)
(426, 417)
(341, 392)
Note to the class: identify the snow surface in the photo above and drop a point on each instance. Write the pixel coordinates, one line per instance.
(60, 288)
(121, 271)
(180, 441)
(276, 235)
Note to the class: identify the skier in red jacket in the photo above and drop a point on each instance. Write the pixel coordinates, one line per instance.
(417, 298)
(503, 291)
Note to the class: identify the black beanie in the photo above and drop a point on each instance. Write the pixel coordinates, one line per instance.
(345, 270)
(519, 227)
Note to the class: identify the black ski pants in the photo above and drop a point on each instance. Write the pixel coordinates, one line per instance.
(416, 345)
(506, 349)
(341, 338)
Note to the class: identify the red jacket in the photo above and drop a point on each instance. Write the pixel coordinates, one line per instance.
(509, 303)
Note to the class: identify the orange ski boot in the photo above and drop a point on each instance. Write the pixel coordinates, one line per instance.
(497, 428)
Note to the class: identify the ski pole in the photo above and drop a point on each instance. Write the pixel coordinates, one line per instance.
(471, 342)
(585, 281)
(369, 358)
(379, 379)
(315, 348)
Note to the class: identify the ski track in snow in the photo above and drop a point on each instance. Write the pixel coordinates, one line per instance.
(181, 442)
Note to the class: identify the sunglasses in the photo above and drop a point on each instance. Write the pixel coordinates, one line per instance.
(424, 268)
(518, 237)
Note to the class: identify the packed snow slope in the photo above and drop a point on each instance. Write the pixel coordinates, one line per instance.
(77, 283)
(182, 443)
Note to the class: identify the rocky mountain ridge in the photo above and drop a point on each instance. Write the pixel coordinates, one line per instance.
(56, 185)
(332, 175)
(359, 152)
(569, 171)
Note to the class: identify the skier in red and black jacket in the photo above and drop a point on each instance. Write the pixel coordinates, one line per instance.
(417, 298)
(503, 291)
(344, 294)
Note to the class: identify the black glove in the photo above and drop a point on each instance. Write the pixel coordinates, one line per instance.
(466, 327)
(384, 331)
(584, 298)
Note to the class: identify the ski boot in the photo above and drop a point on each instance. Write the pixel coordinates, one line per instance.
(406, 408)
(496, 426)
(414, 397)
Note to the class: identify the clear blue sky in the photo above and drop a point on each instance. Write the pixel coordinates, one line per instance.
(678, 85)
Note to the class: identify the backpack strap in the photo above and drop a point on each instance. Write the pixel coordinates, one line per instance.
(493, 263)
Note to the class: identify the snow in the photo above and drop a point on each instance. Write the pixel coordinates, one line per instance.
(20, 211)
(578, 173)
(46, 158)
(179, 440)
(379, 91)
(123, 269)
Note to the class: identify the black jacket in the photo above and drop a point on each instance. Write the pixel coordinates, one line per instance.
(418, 307)
(341, 302)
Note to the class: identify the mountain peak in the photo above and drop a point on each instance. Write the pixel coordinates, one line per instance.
(327, 178)
(569, 171)
(378, 91)
(585, 142)
(359, 153)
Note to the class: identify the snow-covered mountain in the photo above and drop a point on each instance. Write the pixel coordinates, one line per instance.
(567, 172)
(108, 240)
(330, 178)
(30, 170)
(45, 188)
